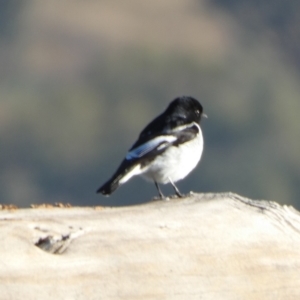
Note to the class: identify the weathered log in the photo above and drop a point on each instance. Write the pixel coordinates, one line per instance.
(206, 246)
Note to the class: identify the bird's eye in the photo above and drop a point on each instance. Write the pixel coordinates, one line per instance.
(197, 112)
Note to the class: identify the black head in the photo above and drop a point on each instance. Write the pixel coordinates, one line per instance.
(186, 107)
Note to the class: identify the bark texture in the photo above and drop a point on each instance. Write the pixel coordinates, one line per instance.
(205, 246)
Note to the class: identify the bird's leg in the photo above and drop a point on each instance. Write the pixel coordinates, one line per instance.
(161, 195)
(176, 189)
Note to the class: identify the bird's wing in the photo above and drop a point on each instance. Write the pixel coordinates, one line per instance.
(160, 126)
(157, 144)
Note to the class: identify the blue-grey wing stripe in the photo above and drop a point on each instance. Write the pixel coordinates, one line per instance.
(160, 141)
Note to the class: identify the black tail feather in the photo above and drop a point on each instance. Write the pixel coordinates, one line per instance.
(114, 182)
(108, 187)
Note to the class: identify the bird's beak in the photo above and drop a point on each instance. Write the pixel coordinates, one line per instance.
(204, 116)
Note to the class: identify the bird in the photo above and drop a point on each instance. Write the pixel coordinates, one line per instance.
(167, 149)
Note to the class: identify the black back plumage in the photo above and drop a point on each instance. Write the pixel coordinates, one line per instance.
(182, 110)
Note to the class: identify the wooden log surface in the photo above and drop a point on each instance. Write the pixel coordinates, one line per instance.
(205, 246)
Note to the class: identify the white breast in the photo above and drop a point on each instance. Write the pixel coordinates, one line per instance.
(176, 162)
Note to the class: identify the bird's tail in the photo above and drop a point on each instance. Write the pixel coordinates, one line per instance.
(125, 171)
(108, 187)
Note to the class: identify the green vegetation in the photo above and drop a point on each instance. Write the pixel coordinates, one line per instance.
(79, 80)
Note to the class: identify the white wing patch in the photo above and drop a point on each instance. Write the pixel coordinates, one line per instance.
(160, 142)
(183, 127)
(135, 171)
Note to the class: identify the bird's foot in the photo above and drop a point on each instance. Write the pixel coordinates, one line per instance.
(159, 198)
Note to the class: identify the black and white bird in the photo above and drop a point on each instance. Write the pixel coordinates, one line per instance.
(167, 150)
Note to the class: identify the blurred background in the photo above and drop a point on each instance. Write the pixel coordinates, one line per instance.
(80, 79)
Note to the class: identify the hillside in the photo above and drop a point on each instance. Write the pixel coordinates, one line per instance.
(80, 79)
